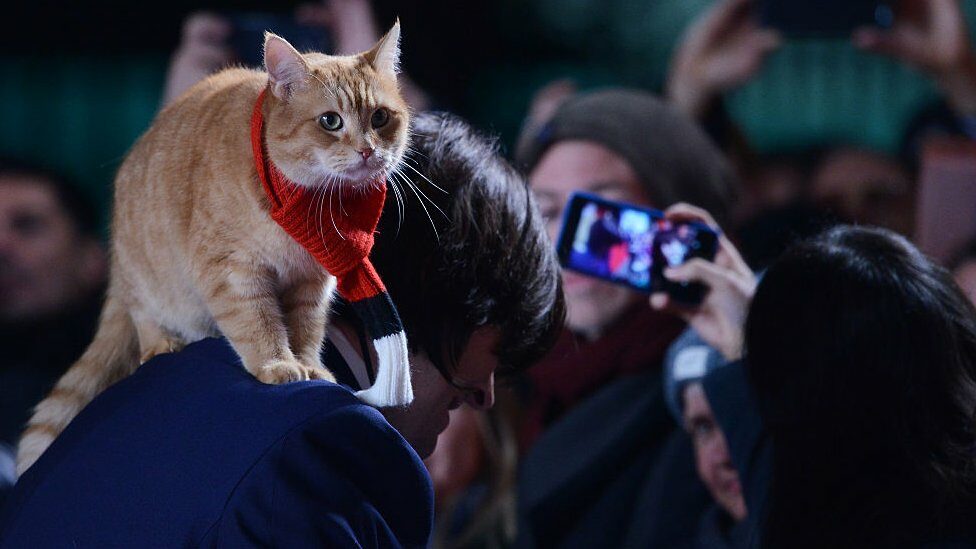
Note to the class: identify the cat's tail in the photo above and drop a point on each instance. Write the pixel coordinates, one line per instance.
(113, 354)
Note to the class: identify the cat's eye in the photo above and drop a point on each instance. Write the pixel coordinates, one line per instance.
(380, 118)
(331, 121)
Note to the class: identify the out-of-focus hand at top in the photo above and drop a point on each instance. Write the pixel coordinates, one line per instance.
(721, 50)
(353, 29)
(203, 49)
(930, 35)
(720, 317)
(545, 101)
(350, 23)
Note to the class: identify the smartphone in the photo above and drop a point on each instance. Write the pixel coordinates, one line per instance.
(631, 245)
(247, 36)
(825, 18)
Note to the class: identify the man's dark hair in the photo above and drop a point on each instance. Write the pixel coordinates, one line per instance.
(863, 356)
(69, 195)
(462, 245)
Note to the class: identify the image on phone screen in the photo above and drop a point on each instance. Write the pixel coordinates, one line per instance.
(630, 245)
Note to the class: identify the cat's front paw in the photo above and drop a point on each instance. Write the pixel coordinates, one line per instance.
(319, 372)
(277, 372)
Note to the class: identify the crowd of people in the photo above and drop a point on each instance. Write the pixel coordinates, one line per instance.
(822, 393)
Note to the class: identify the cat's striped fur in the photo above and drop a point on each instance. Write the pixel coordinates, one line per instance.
(194, 251)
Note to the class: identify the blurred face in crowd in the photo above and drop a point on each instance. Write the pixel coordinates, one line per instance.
(423, 420)
(965, 275)
(46, 263)
(567, 167)
(712, 453)
(867, 188)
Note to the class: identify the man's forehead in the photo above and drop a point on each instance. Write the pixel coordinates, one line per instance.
(609, 187)
(26, 189)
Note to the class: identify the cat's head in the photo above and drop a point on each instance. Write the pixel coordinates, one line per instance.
(335, 118)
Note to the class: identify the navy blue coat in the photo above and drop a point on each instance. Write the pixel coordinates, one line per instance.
(193, 451)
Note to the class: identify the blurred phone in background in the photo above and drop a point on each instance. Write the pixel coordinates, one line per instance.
(825, 18)
(247, 36)
(946, 214)
(630, 245)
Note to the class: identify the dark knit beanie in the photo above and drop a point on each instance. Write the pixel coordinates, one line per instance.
(688, 360)
(673, 158)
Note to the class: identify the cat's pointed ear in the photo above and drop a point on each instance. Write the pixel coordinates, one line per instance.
(385, 55)
(286, 67)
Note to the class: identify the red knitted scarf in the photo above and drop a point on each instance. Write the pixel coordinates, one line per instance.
(340, 240)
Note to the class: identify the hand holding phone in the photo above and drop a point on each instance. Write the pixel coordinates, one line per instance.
(720, 317)
(632, 246)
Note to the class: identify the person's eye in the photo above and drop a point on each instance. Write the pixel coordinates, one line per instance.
(331, 121)
(380, 118)
(549, 212)
(27, 225)
(702, 429)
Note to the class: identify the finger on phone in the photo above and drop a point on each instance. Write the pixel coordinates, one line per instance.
(662, 302)
(686, 212)
(696, 270)
(659, 301)
(728, 256)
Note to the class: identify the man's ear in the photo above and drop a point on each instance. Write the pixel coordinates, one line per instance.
(287, 70)
(385, 55)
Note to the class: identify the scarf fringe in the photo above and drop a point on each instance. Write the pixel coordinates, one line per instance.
(392, 386)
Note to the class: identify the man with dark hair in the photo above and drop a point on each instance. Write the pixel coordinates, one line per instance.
(192, 450)
(52, 271)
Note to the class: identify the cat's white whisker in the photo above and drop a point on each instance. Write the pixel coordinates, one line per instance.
(413, 186)
(391, 181)
(332, 214)
(426, 211)
(319, 207)
(435, 185)
(341, 207)
(432, 203)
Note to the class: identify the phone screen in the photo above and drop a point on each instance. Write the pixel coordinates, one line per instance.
(826, 18)
(631, 245)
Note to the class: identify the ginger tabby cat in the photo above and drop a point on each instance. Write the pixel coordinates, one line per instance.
(194, 251)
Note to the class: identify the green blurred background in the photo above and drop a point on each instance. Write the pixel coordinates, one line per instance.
(78, 107)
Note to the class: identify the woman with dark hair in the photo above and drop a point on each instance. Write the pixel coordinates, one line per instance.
(861, 354)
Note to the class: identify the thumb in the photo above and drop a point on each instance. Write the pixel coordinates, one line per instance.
(901, 43)
(695, 270)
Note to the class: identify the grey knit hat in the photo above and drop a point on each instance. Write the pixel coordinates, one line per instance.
(672, 156)
(688, 360)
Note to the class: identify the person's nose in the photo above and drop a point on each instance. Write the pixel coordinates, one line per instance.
(6, 240)
(482, 396)
(718, 453)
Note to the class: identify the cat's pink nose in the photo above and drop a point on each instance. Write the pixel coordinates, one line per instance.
(366, 153)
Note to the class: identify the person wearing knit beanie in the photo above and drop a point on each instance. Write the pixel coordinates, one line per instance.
(626, 145)
(674, 159)
(602, 382)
